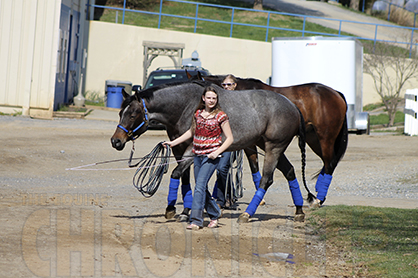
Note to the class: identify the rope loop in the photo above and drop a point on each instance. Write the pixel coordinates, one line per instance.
(151, 169)
(234, 177)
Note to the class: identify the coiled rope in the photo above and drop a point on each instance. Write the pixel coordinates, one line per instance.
(151, 169)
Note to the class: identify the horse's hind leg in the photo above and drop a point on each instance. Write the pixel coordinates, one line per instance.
(273, 152)
(252, 157)
(289, 172)
(325, 176)
(326, 147)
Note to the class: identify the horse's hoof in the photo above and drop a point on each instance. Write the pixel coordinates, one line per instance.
(262, 203)
(244, 218)
(300, 217)
(315, 204)
(170, 212)
(183, 218)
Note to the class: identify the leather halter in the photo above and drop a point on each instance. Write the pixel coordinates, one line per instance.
(131, 133)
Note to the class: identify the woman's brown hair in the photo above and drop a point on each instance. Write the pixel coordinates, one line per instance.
(232, 77)
(201, 105)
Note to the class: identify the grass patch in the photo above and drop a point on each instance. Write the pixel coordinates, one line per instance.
(383, 119)
(221, 14)
(11, 114)
(372, 106)
(224, 14)
(67, 108)
(380, 242)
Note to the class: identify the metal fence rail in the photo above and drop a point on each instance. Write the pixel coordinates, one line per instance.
(405, 33)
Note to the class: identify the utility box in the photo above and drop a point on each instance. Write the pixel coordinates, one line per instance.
(334, 62)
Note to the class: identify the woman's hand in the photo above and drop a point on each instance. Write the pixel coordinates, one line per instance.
(187, 135)
(213, 155)
(169, 143)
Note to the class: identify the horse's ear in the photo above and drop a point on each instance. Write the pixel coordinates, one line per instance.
(125, 94)
(199, 75)
(189, 76)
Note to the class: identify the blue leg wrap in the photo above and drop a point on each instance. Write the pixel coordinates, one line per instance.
(215, 191)
(256, 179)
(172, 191)
(258, 196)
(186, 191)
(318, 180)
(323, 186)
(296, 194)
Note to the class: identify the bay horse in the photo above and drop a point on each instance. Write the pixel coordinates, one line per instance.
(324, 111)
(257, 117)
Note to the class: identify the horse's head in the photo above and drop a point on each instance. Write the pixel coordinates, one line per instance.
(133, 121)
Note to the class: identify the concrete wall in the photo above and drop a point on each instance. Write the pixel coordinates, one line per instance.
(115, 52)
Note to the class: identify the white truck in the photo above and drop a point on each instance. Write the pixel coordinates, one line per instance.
(335, 62)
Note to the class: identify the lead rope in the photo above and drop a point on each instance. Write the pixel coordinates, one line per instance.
(150, 172)
(235, 176)
(238, 174)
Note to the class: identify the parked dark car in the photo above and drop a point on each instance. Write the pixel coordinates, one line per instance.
(162, 76)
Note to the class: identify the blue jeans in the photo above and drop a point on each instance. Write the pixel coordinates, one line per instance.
(202, 199)
(223, 169)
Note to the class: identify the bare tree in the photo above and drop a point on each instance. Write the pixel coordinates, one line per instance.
(258, 5)
(390, 69)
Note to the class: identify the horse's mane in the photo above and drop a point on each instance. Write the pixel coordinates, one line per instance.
(149, 93)
(251, 80)
(220, 78)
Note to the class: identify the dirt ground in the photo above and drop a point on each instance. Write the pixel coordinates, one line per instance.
(60, 219)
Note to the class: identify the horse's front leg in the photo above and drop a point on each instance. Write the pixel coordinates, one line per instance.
(181, 171)
(270, 162)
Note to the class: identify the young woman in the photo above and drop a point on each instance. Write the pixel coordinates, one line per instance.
(209, 122)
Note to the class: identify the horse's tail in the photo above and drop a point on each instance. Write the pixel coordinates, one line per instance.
(302, 147)
(341, 141)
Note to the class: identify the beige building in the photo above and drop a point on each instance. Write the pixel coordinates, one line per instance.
(41, 54)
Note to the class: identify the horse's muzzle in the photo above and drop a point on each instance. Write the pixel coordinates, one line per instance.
(117, 143)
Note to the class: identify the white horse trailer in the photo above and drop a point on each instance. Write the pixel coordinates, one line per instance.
(335, 62)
